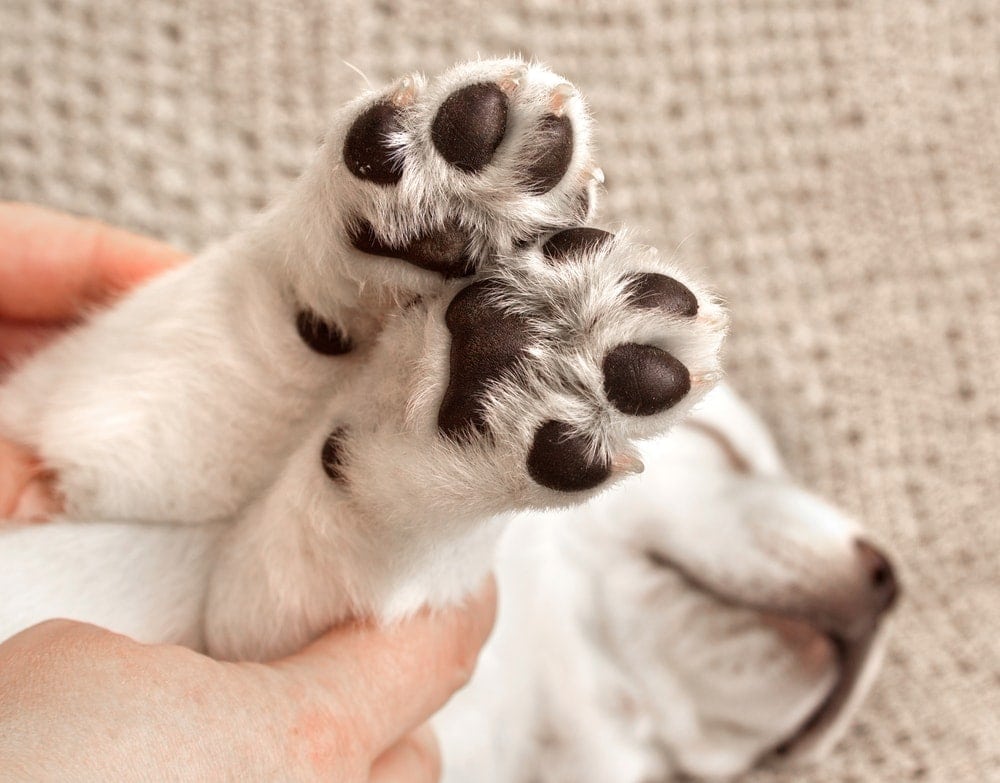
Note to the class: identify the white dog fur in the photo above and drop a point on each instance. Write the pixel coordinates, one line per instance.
(185, 426)
(195, 401)
(202, 369)
(608, 662)
(687, 623)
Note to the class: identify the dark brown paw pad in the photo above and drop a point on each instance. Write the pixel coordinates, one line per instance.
(367, 151)
(472, 122)
(554, 145)
(322, 337)
(332, 454)
(470, 125)
(653, 291)
(443, 250)
(570, 243)
(642, 380)
(562, 459)
(486, 345)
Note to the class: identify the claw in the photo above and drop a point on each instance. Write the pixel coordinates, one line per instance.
(626, 462)
(597, 174)
(706, 378)
(405, 93)
(512, 80)
(561, 95)
(712, 320)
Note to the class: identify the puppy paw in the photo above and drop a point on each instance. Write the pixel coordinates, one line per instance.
(525, 388)
(587, 345)
(448, 174)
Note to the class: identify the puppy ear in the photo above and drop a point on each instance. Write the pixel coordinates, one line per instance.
(860, 663)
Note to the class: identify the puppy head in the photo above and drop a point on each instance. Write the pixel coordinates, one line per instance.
(749, 615)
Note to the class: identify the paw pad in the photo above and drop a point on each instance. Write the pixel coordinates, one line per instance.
(470, 125)
(367, 153)
(561, 459)
(486, 344)
(332, 457)
(641, 380)
(322, 337)
(442, 250)
(569, 243)
(555, 140)
(659, 292)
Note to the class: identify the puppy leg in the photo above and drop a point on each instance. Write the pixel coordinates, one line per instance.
(180, 402)
(524, 389)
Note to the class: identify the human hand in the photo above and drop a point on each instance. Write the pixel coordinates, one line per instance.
(53, 268)
(81, 703)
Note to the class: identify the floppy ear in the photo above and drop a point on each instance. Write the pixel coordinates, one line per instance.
(861, 664)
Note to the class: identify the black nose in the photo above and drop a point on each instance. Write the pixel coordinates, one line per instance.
(885, 588)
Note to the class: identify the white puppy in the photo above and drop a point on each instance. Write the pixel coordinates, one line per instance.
(338, 421)
(692, 622)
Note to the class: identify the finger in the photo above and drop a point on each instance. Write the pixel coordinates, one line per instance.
(414, 759)
(27, 491)
(57, 640)
(53, 264)
(397, 677)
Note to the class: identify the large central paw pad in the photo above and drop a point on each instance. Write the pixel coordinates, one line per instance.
(448, 174)
(588, 342)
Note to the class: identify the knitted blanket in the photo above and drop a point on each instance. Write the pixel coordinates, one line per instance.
(831, 166)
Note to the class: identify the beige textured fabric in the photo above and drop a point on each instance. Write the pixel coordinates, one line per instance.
(831, 165)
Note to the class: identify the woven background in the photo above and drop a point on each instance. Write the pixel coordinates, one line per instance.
(833, 166)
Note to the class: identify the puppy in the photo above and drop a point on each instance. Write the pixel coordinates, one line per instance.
(329, 414)
(700, 619)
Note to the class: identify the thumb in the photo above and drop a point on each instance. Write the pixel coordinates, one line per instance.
(394, 678)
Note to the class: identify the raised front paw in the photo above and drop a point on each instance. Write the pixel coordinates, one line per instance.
(522, 389)
(530, 383)
(448, 174)
(589, 343)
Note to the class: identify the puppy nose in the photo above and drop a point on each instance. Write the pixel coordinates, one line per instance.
(882, 577)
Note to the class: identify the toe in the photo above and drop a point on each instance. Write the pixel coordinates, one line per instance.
(322, 337)
(554, 144)
(570, 243)
(368, 153)
(654, 291)
(332, 454)
(562, 459)
(642, 380)
(470, 125)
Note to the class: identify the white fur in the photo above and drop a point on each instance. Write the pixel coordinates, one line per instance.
(194, 400)
(194, 408)
(608, 666)
(604, 666)
(415, 520)
(184, 399)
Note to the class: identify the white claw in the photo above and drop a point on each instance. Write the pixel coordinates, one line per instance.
(706, 378)
(405, 93)
(511, 81)
(597, 174)
(712, 320)
(561, 94)
(627, 463)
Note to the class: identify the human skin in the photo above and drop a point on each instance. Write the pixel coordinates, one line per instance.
(79, 702)
(53, 269)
